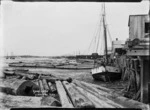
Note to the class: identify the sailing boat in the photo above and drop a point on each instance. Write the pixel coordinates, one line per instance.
(104, 72)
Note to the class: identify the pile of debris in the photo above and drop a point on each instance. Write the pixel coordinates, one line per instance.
(50, 91)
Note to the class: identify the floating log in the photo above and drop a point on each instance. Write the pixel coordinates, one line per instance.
(45, 85)
(76, 97)
(9, 72)
(63, 95)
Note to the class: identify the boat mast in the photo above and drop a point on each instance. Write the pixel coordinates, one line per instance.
(105, 33)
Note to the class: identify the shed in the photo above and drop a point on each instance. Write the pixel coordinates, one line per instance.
(138, 26)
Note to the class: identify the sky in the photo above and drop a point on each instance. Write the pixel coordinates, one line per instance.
(60, 28)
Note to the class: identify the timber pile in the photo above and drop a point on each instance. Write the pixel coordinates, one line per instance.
(50, 91)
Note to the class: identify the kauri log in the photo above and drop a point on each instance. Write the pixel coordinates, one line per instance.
(45, 85)
(98, 103)
(123, 101)
(76, 97)
(63, 95)
(41, 85)
(21, 87)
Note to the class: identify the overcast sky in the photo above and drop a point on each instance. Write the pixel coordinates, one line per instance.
(56, 28)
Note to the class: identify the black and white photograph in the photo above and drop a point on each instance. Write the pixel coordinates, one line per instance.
(68, 54)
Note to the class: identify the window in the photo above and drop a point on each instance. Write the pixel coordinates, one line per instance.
(147, 27)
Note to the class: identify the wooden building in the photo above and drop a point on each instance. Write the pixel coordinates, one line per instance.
(139, 26)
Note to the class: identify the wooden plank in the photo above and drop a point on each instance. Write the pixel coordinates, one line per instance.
(125, 102)
(101, 95)
(97, 101)
(97, 86)
(76, 97)
(63, 95)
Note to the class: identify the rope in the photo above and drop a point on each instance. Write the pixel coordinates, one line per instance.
(99, 35)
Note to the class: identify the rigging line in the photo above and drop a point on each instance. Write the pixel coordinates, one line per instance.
(90, 45)
(94, 38)
(96, 31)
(99, 36)
(110, 38)
(102, 43)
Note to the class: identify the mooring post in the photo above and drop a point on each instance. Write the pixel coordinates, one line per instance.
(145, 79)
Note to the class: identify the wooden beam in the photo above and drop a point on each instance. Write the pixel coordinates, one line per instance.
(63, 95)
(98, 102)
(76, 97)
(101, 95)
(120, 100)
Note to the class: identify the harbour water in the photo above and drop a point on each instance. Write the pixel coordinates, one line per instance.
(82, 75)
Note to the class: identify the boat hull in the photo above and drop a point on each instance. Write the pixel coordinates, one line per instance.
(108, 73)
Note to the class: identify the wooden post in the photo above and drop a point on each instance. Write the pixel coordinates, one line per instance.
(149, 93)
(63, 95)
(145, 78)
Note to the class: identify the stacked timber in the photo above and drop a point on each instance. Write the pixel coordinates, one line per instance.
(77, 98)
(59, 92)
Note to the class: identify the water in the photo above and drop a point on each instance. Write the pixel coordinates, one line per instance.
(82, 75)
